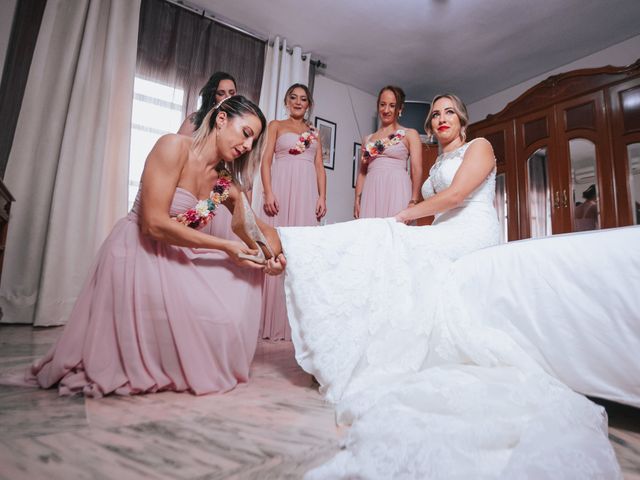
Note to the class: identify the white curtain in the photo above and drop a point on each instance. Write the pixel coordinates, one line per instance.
(281, 70)
(68, 165)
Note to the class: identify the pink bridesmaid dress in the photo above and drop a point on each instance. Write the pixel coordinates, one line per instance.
(294, 184)
(155, 317)
(221, 228)
(387, 185)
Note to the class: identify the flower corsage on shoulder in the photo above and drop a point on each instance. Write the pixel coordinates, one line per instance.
(304, 141)
(373, 149)
(205, 210)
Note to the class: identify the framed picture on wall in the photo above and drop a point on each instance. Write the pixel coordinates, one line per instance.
(357, 151)
(327, 131)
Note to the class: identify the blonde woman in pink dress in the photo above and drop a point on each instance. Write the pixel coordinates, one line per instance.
(383, 186)
(295, 186)
(166, 305)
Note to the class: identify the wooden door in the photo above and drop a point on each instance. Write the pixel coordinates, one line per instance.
(624, 108)
(584, 150)
(429, 155)
(537, 162)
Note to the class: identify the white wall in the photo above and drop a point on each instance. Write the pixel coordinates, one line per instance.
(337, 102)
(620, 54)
(7, 9)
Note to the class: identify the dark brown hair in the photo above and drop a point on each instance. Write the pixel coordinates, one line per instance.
(398, 93)
(208, 94)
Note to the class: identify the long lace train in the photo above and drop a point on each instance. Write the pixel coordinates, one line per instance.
(428, 392)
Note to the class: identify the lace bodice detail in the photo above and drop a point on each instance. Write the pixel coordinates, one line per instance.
(444, 170)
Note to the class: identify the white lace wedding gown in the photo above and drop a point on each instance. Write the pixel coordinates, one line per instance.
(429, 393)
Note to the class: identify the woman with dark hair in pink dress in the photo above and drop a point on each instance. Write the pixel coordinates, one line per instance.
(383, 187)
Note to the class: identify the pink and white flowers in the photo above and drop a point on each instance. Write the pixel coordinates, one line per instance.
(204, 210)
(373, 149)
(304, 141)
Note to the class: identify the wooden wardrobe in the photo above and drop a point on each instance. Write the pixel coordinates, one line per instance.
(562, 136)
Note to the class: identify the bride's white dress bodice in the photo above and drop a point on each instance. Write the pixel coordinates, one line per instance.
(430, 393)
(444, 170)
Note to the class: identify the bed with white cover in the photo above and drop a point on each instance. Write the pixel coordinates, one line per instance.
(573, 301)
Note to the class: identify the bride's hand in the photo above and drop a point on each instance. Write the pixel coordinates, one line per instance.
(403, 217)
(275, 266)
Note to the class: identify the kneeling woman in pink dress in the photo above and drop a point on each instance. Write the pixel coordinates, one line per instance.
(383, 187)
(295, 186)
(166, 305)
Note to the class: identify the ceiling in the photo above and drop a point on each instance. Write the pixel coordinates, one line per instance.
(470, 47)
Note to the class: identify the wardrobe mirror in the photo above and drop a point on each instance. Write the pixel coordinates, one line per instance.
(584, 181)
(633, 154)
(500, 202)
(539, 195)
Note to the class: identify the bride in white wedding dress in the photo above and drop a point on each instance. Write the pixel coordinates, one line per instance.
(428, 392)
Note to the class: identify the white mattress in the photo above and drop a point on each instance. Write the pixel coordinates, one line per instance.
(573, 301)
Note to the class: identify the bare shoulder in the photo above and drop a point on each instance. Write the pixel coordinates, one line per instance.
(188, 125)
(412, 134)
(174, 142)
(191, 118)
(274, 125)
(480, 147)
(172, 148)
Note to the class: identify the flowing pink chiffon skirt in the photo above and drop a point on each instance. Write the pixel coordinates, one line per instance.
(387, 188)
(154, 317)
(295, 187)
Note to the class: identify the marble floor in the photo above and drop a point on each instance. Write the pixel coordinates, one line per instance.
(275, 427)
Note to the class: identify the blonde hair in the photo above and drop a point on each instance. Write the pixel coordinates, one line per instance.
(458, 106)
(242, 169)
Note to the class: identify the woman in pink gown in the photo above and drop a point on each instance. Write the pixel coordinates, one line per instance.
(295, 186)
(166, 305)
(383, 187)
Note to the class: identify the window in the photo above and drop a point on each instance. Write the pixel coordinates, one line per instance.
(157, 110)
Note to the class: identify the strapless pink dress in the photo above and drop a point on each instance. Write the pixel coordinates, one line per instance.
(387, 185)
(155, 317)
(294, 184)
